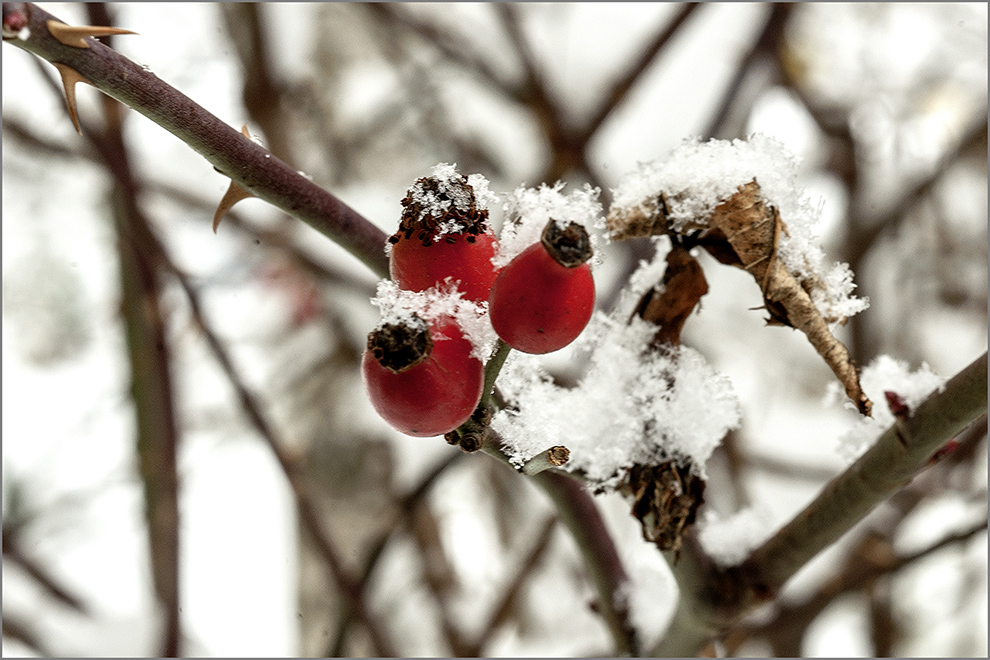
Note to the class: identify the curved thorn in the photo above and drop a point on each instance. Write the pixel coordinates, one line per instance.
(234, 194)
(75, 35)
(69, 79)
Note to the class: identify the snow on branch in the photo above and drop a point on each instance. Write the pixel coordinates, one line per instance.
(739, 201)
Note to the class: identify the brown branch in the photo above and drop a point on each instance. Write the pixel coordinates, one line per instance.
(453, 49)
(715, 599)
(898, 456)
(866, 231)
(262, 90)
(14, 554)
(870, 562)
(621, 87)
(501, 612)
(248, 164)
(405, 507)
(578, 511)
(765, 47)
(150, 360)
(306, 506)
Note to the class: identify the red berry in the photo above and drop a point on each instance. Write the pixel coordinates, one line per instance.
(443, 233)
(416, 265)
(421, 377)
(545, 296)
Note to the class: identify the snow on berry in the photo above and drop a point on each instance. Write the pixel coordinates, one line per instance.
(631, 406)
(397, 305)
(444, 199)
(527, 211)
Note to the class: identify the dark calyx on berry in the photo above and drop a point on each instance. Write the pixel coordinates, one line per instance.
(570, 245)
(418, 221)
(399, 346)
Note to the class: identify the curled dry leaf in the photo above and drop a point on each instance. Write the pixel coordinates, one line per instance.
(666, 499)
(744, 231)
(669, 304)
(752, 229)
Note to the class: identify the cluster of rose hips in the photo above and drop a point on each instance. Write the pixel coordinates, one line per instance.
(420, 374)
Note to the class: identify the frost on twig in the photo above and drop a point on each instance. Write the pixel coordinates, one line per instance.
(733, 199)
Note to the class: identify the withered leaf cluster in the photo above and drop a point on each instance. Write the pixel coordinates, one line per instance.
(666, 500)
(744, 231)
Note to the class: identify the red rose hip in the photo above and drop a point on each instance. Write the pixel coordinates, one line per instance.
(443, 233)
(545, 296)
(417, 265)
(421, 377)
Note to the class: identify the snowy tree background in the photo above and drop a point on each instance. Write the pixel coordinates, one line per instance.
(883, 105)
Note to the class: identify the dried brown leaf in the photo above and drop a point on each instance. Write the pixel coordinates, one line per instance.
(752, 229)
(671, 303)
(666, 498)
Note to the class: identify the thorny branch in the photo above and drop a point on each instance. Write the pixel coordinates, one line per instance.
(248, 164)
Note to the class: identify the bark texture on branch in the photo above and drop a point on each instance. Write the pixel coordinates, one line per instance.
(248, 164)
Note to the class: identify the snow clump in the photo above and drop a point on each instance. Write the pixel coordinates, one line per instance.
(397, 306)
(527, 211)
(884, 374)
(697, 176)
(633, 405)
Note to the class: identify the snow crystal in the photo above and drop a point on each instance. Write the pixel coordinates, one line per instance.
(450, 191)
(729, 540)
(696, 177)
(527, 211)
(885, 374)
(632, 405)
(398, 305)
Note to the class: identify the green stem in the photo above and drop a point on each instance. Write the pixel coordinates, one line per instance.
(492, 370)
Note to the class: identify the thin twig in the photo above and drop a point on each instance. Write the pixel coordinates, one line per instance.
(308, 512)
(621, 87)
(404, 507)
(453, 49)
(765, 47)
(528, 565)
(14, 554)
(578, 511)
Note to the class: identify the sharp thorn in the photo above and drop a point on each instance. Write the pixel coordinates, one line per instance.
(69, 79)
(234, 194)
(75, 35)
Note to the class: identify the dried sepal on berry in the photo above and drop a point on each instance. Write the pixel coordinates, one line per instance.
(444, 234)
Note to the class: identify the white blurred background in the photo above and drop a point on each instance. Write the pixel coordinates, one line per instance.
(884, 103)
